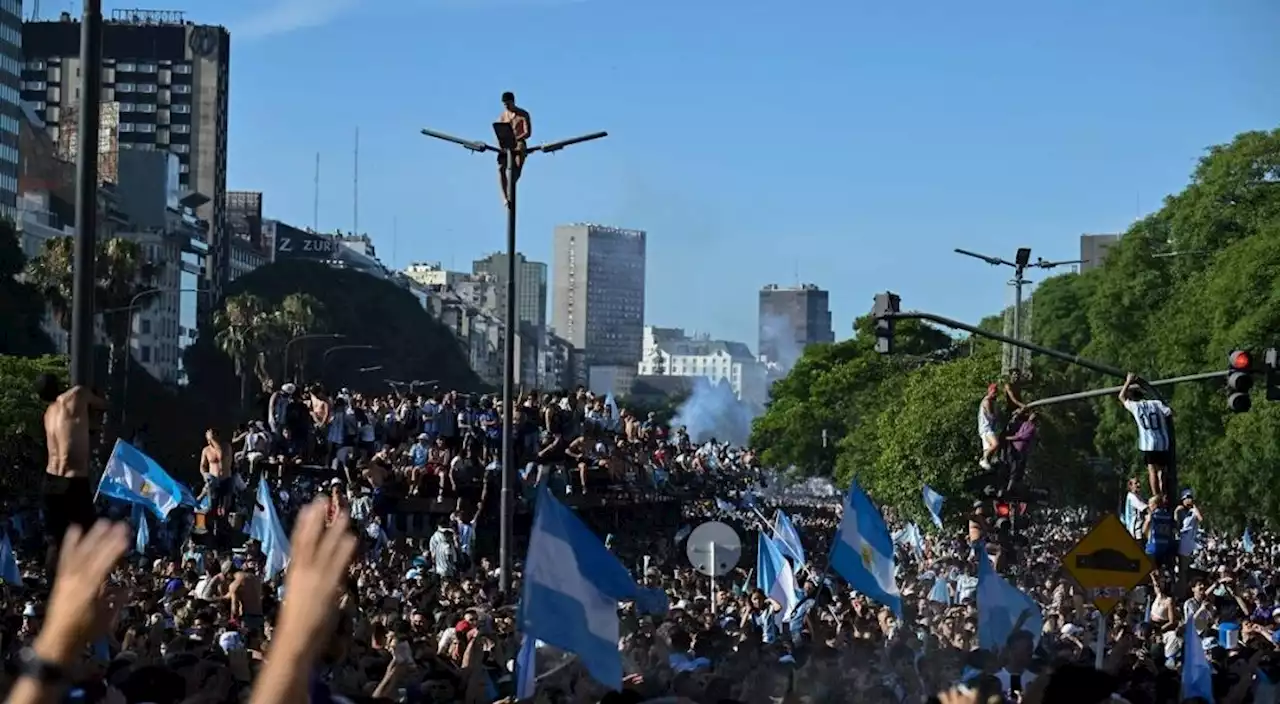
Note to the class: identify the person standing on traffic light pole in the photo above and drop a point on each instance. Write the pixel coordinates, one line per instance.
(988, 421)
(1153, 432)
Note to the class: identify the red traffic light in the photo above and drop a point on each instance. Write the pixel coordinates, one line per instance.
(1002, 509)
(1240, 360)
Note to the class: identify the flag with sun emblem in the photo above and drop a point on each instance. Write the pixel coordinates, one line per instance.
(862, 552)
(133, 477)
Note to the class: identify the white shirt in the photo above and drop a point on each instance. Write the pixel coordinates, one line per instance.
(1153, 430)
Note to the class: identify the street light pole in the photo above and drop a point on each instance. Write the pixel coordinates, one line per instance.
(128, 342)
(303, 338)
(1020, 264)
(86, 240)
(510, 148)
(324, 360)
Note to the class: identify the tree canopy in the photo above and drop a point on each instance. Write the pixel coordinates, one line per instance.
(21, 306)
(1179, 290)
(363, 310)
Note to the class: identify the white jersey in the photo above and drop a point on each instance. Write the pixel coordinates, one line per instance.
(1153, 427)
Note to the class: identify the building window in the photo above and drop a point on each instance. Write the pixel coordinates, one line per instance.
(146, 326)
(126, 127)
(147, 88)
(146, 107)
(180, 88)
(36, 65)
(146, 353)
(126, 66)
(127, 107)
(181, 148)
(182, 68)
(179, 108)
(147, 68)
(145, 127)
(125, 87)
(180, 129)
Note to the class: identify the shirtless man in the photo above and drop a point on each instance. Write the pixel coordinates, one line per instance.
(68, 493)
(522, 125)
(245, 594)
(216, 468)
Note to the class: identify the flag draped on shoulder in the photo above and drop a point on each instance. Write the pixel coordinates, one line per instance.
(572, 586)
(133, 477)
(862, 551)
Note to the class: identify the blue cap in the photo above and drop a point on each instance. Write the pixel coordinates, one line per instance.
(1187, 494)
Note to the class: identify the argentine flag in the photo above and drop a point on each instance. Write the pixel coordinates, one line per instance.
(134, 478)
(774, 577)
(572, 586)
(933, 503)
(267, 529)
(863, 551)
(788, 538)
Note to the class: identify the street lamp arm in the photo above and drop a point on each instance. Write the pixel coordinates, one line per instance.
(552, 147)
(473, 145)
(993, 261)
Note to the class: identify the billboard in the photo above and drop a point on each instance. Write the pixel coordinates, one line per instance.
(291, 242)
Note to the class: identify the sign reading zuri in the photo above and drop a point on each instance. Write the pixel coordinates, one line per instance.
(1107, 563)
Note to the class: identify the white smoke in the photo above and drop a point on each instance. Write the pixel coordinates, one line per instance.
(713, 411)
(777, 331)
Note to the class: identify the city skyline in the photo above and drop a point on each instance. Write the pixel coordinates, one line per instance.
(1064, 120)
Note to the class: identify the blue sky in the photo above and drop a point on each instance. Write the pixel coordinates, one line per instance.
(847, 143)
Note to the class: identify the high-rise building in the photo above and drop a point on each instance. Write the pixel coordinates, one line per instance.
(791, 319)
(531, 286)
(167, 81)
(598, 294)
(1093, 250)
(10, 104)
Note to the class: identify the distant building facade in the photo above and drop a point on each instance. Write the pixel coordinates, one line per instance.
(791, 319)
(671, 353)
(531, 286)
(598, 292)
(1093, 250)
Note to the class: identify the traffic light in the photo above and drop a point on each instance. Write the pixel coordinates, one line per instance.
(886, 304)
(1271, 358)
(1239, 381)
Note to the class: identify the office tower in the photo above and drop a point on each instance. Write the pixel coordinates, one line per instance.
(1093, 250)
(598, 296)
(165, 83)
(11, 116)
(792, 319)
(531, 286)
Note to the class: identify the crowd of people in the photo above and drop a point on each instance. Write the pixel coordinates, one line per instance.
(203, 612)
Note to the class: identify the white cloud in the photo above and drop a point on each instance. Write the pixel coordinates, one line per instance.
(283, 16)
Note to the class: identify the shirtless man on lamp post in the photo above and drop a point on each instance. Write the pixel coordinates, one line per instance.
(68, 492)
(522, 125)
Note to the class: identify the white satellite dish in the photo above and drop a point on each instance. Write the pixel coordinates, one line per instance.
(714, 548)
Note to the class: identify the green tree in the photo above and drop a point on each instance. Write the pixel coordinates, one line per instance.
(22, 447)
(21, 307)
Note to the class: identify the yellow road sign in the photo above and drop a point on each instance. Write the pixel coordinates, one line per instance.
(1107, 563)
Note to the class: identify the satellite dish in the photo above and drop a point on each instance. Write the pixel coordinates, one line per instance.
(718, 539)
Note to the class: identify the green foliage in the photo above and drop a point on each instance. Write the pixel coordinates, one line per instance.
(22, 448)
(21, 307)
(1180, 289)
(275, 303)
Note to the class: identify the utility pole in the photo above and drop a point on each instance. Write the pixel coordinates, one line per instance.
(1021, 262)
(86, 242)
(510, 148)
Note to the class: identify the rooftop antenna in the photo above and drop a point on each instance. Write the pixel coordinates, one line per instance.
(315, 203)
(355, 188)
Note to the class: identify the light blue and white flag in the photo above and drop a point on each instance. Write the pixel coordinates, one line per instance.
(862, 552)
(933, 502)
(911, 538)
(572, 586)
(527, 669)
(9, 572)
(1197, 676)
(774, 576)
(615, 420)
(133, 477)
(788, 538)
(1247, 542)
(143, 536)
(1000, 605)
(269, 532)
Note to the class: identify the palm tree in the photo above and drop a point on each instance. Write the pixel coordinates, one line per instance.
(299, 314)
(50, 273)
(239, 328)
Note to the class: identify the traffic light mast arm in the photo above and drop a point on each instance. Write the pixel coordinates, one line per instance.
(1082, 395)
